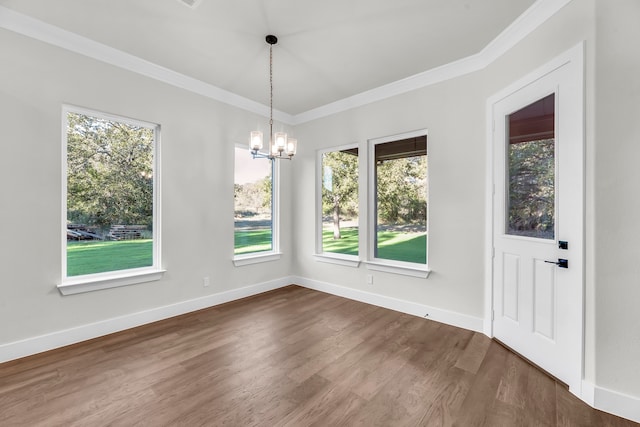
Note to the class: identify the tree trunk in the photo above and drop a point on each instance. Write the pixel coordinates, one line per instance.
(336, 221)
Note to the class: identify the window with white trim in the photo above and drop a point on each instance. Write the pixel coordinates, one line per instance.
(398, 200)
(110, 207)
(255, 216)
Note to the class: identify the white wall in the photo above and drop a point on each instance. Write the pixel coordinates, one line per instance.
(456, 171)
(617, 189)
(198, 137)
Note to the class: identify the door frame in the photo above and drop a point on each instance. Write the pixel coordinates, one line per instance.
(574, 58)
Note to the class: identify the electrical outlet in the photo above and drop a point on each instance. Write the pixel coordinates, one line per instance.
(205, 281)
(370, 279)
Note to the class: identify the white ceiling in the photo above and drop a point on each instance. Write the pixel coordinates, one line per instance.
(327, 51)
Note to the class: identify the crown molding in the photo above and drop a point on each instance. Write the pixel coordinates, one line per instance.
(56, 36)
(531, 19)
(526, 23)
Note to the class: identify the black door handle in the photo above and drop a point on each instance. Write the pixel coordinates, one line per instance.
(562, 263)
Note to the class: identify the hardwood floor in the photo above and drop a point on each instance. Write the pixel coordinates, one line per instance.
(291, 357)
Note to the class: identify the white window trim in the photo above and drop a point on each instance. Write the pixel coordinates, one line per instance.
(381, 264)
(398, 267)
(321, 255)
(112, 279)
(96, 282)
(274, 254)
(255, 258)
(338, 259)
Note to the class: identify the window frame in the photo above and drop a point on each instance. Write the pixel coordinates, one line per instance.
(382, 264)
(69, 285)
(274, 254)
(320, 254)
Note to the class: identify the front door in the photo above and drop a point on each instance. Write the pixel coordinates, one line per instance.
(538, 222)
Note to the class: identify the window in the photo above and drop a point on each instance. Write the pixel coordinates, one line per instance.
(110, 183)
(531, 174)
(339, 201)
(399, 200)
(254, 205)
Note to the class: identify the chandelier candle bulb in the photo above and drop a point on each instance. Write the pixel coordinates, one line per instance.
(256, 140)
(281, 141)
(292, 144)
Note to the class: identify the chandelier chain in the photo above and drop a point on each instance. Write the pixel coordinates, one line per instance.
(270, 92)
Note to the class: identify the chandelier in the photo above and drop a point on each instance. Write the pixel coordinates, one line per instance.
(280, 147)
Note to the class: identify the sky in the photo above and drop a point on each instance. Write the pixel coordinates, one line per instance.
(248, 169)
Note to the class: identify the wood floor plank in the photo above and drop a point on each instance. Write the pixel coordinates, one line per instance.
(474, 354)
(289, 357)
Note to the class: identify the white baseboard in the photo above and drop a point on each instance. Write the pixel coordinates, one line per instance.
(30, 346)
(443, 316)
(616, 403)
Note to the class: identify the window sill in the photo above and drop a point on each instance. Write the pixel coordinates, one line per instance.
(96, 282)
(255, 258)
(406, 269)
(339, 259)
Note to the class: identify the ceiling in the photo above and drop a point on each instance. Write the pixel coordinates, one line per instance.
(327, 51)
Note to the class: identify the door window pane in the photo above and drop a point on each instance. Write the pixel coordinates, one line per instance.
(531, 174)
(340, 201)
(401, 200)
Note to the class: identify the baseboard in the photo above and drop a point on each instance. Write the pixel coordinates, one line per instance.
(616, 403)
(443, 316)
(31, 346)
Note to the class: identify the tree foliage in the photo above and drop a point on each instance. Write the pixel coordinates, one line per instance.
(531, 188)
(339, 186)
(253, 198)
(402, 190)
(109, 172)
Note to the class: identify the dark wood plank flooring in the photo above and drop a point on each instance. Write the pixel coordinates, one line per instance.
(291, 357)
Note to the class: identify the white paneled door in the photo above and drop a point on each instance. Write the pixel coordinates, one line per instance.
(538, 220)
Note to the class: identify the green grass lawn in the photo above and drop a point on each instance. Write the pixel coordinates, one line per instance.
(394, 245)
(247, 241)
(99, 256)
(346, 244)
(408, 247)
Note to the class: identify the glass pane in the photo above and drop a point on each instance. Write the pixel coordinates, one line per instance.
(109, 195)
(340, 202)
(252, 202)
(531, 174)
(401, 200)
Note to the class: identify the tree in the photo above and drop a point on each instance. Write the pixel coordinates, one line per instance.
(531, 187)
(253, 198)
(109, 172)
(266, 185)
(340, 185)
(401, 189)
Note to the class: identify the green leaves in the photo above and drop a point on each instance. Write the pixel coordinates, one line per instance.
(401, 189)
(532, 188)
(109, 172)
